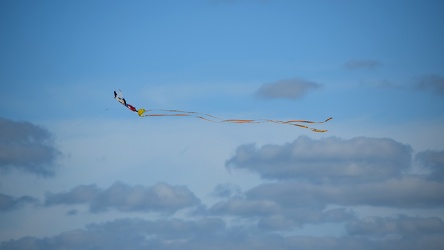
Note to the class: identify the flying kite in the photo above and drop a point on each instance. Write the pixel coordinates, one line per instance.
(173, 112)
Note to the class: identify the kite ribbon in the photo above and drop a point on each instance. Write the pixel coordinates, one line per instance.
(211, 118)
(174, 112)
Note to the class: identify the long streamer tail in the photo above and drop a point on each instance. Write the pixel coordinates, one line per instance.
(211, 118)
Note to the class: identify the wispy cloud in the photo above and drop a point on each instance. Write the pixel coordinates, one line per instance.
(226, 190)
(433, 83)
(362, 64)
(287, 89)
(237, 1)
(28, 147)
(387, 85)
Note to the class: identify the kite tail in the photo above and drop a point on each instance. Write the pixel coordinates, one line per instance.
(211, 118)
(174, 112)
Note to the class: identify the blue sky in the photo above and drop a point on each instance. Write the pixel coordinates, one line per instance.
(78, 169)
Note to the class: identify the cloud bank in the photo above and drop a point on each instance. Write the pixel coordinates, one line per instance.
(214, 233)
(122, 197)
(355, 172)
(308, 183)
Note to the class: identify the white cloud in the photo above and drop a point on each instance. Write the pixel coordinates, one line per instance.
(330, 159)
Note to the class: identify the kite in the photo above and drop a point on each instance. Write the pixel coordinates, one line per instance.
(210, 118)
